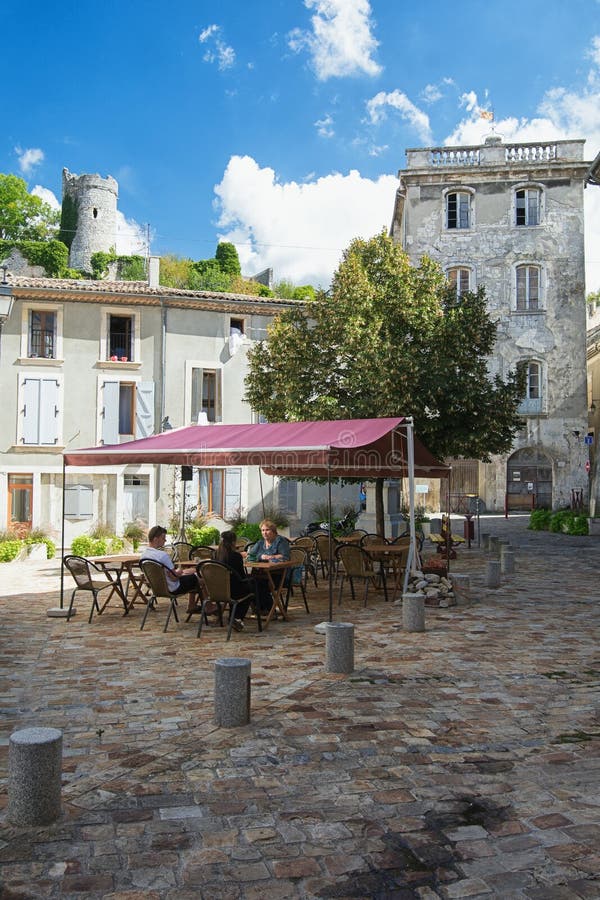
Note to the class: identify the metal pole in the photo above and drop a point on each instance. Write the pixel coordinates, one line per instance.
(330, 530)
(62, 540)
(410, 446)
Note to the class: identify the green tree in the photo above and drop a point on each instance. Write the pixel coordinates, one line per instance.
(228, 259)
(390, 339)
(288, 291)
(24, 216)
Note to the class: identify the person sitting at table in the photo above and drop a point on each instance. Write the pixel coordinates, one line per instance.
(272, 547)
(240, 584)
(177, 581)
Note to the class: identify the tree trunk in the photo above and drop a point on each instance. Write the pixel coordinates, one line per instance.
(379, 512)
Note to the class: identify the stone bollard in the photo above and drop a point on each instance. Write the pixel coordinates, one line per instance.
(339, 647)
(492, 577)
(413, 612)
(495, 547)
(485, 540)
(232, 692)
(461, 585)
(507, 561)
(34, 776)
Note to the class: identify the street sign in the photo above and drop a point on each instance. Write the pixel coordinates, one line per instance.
(587, 465)
(588, 439)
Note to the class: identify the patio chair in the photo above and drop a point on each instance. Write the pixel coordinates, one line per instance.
(322, 545)
(88, 577)
(216, 578)
(181, 551)
(299, 557)
(156, 576)
(356, 563)
(308, 544)
(201, 553)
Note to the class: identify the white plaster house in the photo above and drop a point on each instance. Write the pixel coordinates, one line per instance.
(593, 373)
(510, 217)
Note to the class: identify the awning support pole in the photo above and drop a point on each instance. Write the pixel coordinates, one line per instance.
(62, 540)
(410, 448)
(330, 530)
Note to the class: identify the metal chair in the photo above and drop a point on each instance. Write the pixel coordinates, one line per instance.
(216, 577)
(88, 577)
(356, 563)
(299, 557)
(156, 576)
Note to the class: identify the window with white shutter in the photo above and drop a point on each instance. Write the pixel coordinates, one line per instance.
(40, 400)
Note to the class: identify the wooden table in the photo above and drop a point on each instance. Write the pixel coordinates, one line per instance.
(280, 565)
(114, 567)
(392, 551)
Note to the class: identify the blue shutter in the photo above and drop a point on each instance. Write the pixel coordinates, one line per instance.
(110, 412)
(144, 409)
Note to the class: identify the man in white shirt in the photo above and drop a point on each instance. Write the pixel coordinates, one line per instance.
(178, 581)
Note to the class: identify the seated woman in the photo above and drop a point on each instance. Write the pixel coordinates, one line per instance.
(240, 584)
(270, 548)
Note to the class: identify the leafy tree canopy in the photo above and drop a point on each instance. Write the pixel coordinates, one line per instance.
(228, 259)
(390, 339)
(288, 291)
(23, 216)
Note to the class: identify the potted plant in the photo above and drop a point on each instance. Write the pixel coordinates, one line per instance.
(134, 533)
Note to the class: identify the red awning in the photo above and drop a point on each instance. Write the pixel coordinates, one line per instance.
(361, 448)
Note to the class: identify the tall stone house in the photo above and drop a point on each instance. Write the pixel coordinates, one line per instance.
(88, 362)
(593, 372)
(510, 217)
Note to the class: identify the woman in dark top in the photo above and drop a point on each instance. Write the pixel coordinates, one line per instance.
(241, 585)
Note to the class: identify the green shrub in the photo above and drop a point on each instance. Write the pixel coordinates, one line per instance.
(539, 520)
(42, 539)
(579, 525)
(249, 530)
(559, 521)
(203, 537)
(9, 550)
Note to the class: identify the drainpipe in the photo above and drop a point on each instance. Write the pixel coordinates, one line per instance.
(163, 356)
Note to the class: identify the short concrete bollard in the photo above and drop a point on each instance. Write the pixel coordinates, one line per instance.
(495, 547)
(492, 577)
(413, 612)
(461, 586)
(232, 692)
(507, 561)
(485, 540)
(339, 647)
(34, 776)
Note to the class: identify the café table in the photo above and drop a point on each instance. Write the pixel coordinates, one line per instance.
(114, 567)
(276, 587)
(393, 553)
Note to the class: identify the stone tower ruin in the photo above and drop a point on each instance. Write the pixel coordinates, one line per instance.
(89, 216)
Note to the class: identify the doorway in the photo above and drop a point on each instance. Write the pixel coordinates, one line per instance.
(20, 503)
(529, 480)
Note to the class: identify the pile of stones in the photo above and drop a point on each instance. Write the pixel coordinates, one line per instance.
(437, 589)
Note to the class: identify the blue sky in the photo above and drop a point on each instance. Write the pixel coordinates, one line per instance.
(281, 124)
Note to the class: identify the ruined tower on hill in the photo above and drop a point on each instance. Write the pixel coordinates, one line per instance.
(89, 216)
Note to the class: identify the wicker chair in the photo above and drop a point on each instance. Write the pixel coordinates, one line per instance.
(156, 576)
(308, 544)
(88, 577)
(356, 563)
(181, 551)
(299, 557)
(201, 553)
(322, 545)
(216, 577)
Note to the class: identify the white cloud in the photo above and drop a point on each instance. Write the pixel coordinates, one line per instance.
(377, 109)
(218, 51)
(300, 230)
(341, 42)
(46, 195)
(431, 93)
(29, 159)
(131, 238)
(324, 127)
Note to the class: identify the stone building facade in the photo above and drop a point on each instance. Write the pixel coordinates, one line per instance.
(510, 218)
(89, 216)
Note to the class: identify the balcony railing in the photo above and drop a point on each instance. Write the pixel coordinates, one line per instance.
(531, 407)
(467, 156)
(530, 152)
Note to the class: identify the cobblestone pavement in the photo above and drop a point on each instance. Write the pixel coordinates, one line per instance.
(459, 762)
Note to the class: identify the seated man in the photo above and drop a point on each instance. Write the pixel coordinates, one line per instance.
(178, 582)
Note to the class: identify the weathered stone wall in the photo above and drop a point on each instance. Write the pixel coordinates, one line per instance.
(95, 201)
(491, 247)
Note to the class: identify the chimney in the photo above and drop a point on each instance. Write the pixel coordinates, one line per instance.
(153, 271)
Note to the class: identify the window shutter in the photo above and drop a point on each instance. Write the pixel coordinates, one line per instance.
(144, 409)
(233, 492)
(110, 412)
(31, 410)
(79, 501)
(49, 411)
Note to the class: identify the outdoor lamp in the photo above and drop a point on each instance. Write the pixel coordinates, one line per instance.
(6, 300)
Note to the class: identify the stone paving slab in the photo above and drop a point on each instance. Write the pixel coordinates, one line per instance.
(459, 762)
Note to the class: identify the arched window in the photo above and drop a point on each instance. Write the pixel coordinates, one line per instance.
(528, 287)
(458, 209)
(527, 206)
(460, 279)
(533, 402)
